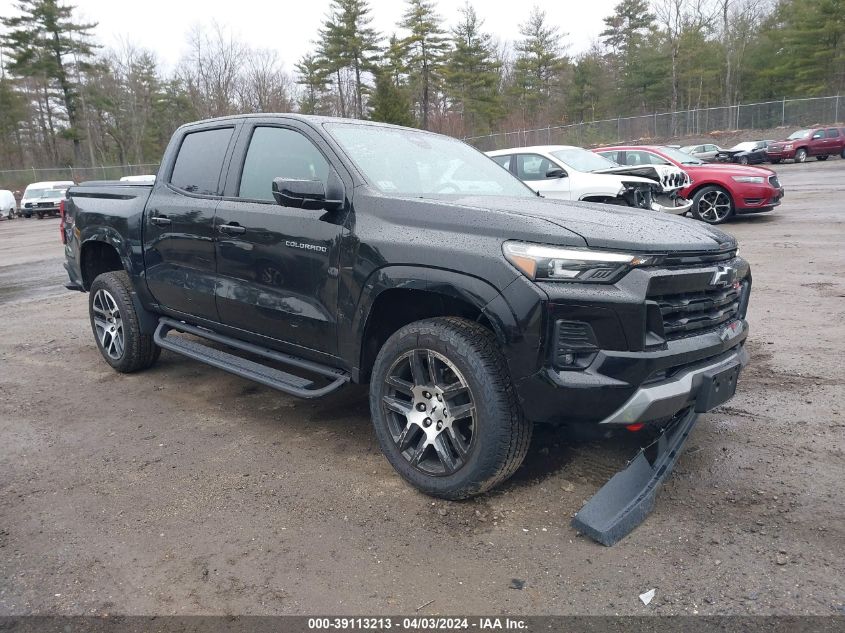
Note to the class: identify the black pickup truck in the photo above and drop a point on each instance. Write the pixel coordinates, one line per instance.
(306, 253)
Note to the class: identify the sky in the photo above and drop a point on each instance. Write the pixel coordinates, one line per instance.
(291, 26)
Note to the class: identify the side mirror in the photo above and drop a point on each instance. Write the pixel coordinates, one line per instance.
(556, 172)
(303, 194)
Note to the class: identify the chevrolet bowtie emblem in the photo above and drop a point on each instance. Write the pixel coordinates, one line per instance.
(723, 276)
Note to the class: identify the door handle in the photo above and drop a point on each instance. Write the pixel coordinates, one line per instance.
(231, 229)
(160, 220)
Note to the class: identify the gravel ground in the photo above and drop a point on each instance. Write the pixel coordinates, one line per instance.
(184, 490)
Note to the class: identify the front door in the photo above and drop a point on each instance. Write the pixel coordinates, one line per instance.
(179, 225)
(532, 169)
(277, 266)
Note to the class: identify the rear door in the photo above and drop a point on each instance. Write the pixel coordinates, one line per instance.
(179, 223)
(277, 266)
(834, 140)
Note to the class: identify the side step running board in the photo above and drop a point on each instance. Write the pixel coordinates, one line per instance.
(251, 370)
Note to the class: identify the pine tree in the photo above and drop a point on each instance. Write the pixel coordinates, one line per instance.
(349, 43)
(472, 74)
(44, 41)
(538, 61)
(626, 34)
(426, 45)
(312, 76)
(390, 103)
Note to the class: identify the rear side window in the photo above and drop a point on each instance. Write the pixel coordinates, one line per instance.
(279, 153)
(200, 160)
(504, 161)
(832, 132)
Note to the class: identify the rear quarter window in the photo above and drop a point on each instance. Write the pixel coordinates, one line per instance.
(200, 160)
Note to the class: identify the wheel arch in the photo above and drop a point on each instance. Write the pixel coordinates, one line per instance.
(397, 295)
(101, 253)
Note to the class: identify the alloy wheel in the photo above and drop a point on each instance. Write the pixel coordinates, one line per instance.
(714, 206)
(108, 324)
(430, 412)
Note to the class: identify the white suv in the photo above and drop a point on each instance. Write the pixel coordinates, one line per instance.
(572, 173)
(42, 198)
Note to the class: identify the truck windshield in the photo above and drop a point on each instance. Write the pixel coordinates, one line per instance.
(799, 134)
(410, 163)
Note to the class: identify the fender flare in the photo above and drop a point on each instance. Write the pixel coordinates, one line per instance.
(108, 235)
(472, 290)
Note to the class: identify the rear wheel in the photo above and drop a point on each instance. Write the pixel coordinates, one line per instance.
(801, 155)
(822, 157)
(444, 409)
(712, 205)
(115, 324)
(743, 160)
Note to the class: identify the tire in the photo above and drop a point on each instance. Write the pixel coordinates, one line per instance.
(483, 447)
(712, 205)
(775, 161)
(40, 215)
(114, 323)
(822, 157)
(801, 155)
(27, 215)
(842, 155)
(743, 160)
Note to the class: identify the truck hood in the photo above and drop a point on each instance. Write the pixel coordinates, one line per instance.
(610, 226)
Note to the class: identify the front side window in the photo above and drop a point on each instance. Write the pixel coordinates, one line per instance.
(533, 166)
(276, 152)
(819, 134)
(200, 160)
(404, 162)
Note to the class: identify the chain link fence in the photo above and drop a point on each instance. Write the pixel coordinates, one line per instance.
(19, 178)
(671, 125)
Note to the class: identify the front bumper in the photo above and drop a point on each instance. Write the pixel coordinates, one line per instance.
(780, 154)
(631, 350)
(665, 204)
(689, 388)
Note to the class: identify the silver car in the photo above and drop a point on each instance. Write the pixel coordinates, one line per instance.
(705, 151)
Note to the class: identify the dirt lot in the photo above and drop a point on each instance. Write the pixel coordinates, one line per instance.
(185, 490)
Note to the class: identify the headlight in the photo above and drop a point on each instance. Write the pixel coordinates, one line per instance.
(556, 263)
(757, 180)
(788, 146)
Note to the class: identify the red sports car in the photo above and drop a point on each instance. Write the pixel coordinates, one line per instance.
(717, 191)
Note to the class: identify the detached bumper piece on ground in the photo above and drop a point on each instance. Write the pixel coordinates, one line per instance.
(627, 499)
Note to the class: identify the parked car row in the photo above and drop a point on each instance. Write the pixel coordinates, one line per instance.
(658, 178)
(821, 143)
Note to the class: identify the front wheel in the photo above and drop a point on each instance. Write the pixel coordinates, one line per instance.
(116, 326)
(445, 410)
(712, 205)
(743, 160)
(801, 155)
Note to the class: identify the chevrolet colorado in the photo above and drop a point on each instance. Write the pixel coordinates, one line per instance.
(305, 253)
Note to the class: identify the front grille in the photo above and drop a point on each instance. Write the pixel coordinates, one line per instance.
(45, 205)
(697, 258)
(774, 182)
(691, 313)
